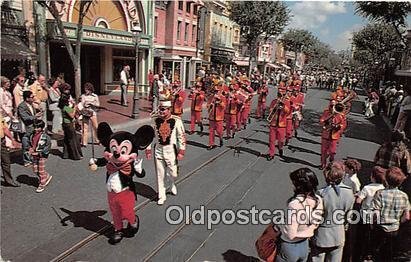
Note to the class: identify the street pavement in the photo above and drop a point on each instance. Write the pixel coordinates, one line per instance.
(60, 224)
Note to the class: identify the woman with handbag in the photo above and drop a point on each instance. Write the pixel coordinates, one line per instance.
(72, 148)
(303, 216)
(88, 106)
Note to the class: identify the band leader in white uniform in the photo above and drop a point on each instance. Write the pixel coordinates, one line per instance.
(169, 147)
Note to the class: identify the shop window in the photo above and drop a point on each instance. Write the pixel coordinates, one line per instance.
(195, 10)
(155, 27)
(186, 32)
(194, 34)
(236, 36)
(180, 5)
(118, 64)
(179, 30)
(188, 7)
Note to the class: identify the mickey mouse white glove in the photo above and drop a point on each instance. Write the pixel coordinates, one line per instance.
(138, 165)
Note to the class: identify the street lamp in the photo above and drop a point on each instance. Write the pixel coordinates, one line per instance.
(136, 29)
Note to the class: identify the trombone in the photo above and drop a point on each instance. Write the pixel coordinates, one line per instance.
(276, 109)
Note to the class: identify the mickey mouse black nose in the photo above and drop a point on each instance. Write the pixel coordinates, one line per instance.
(116, 154)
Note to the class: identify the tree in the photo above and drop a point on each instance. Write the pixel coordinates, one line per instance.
(259, 19)
(298, 40)
(374, 46)
(317, 52)
(393, 13)
(53, 7)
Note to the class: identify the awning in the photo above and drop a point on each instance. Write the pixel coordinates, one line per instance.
(221, 60)
(242, 63)
(286, 66)
(273, 65)
(12, 48)
(171, 57)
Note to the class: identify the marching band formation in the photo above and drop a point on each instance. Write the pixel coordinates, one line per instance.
(228, 102)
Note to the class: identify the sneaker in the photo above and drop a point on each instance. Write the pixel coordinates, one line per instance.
(48, 180)
(161, 201)
(40, 189)
(173, 190)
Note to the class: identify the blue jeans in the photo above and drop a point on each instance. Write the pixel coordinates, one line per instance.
(25, 142)
(292, 252)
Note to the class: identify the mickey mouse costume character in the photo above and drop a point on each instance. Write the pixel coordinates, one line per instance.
(122, 162)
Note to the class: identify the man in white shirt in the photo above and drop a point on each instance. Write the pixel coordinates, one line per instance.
(124, 76)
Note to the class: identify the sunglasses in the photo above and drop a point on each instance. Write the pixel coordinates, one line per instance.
(163, 108)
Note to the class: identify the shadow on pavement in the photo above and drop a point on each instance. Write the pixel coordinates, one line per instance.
(307, 140)
(253, 140)
(236, 256)
(288, 159)
(304, 150)
(311, 122)
(89, 220)
(373, 129)
(28, 180)
(196, 144)
(145, 191)
(239, 149)
(115, 112)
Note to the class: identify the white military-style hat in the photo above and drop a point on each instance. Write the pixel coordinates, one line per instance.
(165, 103)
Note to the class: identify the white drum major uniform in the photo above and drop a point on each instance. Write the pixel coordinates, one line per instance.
(169, 147)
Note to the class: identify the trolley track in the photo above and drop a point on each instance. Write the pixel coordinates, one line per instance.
(171, 236)
(143, 204)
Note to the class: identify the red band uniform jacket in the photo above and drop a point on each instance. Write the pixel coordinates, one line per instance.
(280, 119)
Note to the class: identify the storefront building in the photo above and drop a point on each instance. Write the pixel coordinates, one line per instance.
(15, 51)
(175, 40)
(223, 36)
(107, 42)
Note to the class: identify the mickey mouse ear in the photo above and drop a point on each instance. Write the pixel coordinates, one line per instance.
(144, 136)
(103, 133)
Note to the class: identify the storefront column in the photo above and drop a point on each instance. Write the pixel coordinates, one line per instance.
(108, 67)
(40, 22)
(183, 73)
(172, 71)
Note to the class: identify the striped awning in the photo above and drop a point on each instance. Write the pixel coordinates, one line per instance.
(13, 48)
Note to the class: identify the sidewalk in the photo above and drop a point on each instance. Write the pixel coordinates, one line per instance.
(118, 116)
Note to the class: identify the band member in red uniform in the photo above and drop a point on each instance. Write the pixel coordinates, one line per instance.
(246, 108)
(216, 106)
(338, 95)
(197, 97)
(231, 113)
(290, 127)
(298, 107)
(333, 123)
(178, 96)
(262, 98)
(277, 120)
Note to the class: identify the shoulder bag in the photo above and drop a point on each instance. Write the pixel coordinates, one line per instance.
(266, 244)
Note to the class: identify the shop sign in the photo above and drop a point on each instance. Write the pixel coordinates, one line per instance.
(100, 36)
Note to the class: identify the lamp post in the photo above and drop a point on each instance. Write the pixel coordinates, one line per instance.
(136, 29)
